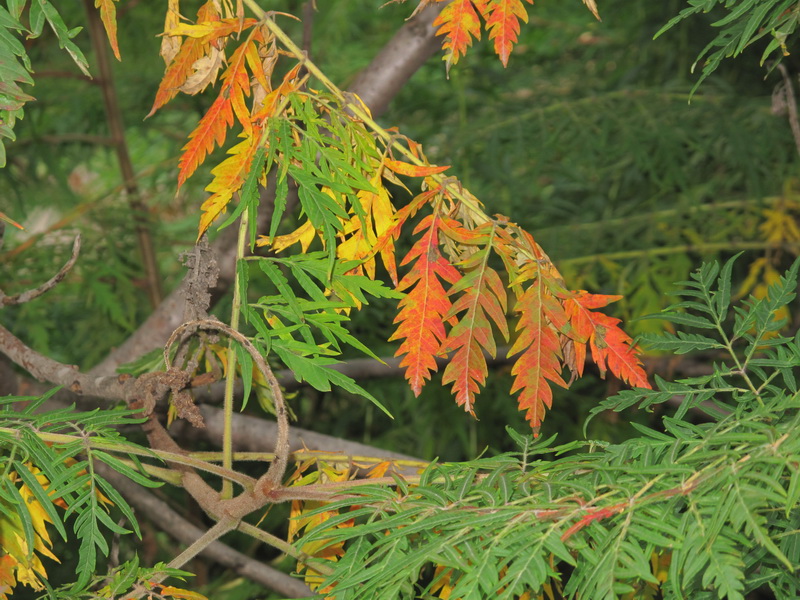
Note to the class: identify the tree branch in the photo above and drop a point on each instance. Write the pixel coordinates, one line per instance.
(166, 519)
(252, 434)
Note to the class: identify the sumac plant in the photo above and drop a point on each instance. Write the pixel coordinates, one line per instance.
(320, 196)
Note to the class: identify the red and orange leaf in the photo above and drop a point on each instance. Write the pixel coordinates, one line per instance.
(212, 130)
(423, 310)
(180, 68)
(483, 298)
(538, 341)
(409, 170)
(237, 81)
(503, 25)
(213, 127)
(611, 347)
(229, 176)
(108, 14)
(459, 23)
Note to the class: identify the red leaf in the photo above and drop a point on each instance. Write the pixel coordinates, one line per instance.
(541, 360)
(423, 310)
(503, 25)
(611, 347)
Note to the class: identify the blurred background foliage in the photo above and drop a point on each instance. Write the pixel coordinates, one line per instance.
(588, 139)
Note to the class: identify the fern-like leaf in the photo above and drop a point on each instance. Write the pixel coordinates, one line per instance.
(422, 311)
(503, 25)
(611, 347)
(482, 297)
(539, 343)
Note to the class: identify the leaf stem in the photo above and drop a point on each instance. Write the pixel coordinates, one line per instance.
(230, 379)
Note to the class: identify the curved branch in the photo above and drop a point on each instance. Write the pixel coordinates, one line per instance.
(29, 295)
(274, 475)
(168, 520)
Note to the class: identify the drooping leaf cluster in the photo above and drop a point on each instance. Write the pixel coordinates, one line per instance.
(460, 21)
(325, 146)
(50, 479)
(705, 510)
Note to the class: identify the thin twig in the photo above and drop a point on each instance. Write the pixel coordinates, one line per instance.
(29, 295)
(116, 127)
(274, 475)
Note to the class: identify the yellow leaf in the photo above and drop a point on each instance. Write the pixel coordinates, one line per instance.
(171, 44)
(108, 14)
(779, 225)
(592, 6)
(173, 592)
(409, 170)
(229, 176)
(303, 235)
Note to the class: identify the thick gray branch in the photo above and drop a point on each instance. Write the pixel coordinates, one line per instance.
(252, 434)
(413, 44)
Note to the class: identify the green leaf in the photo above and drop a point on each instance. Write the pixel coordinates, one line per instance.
(245, 362)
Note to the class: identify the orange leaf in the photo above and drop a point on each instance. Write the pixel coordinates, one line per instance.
(611, 347)
(108, 14)
(423, 310)
(212, 130)
(229, 176)
(483, 297)
(409, 170)
(538, 340)
(503, 25)
(459, 23)
(181, 66)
